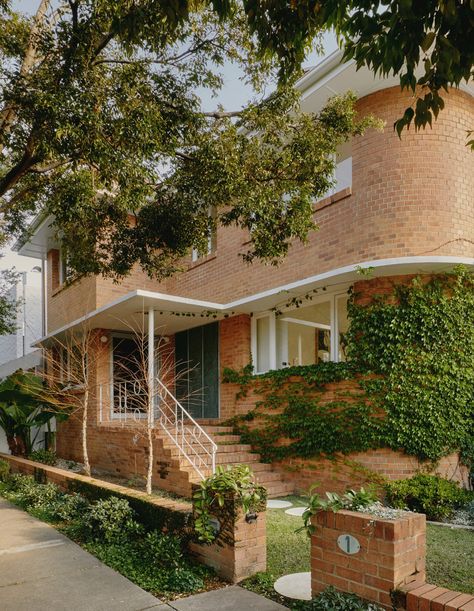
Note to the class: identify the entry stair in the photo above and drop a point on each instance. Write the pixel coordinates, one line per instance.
(230, 451)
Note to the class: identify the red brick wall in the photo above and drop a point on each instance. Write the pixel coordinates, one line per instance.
(410, 197)
(392, 553)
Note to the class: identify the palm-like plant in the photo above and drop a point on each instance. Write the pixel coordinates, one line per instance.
(25, 405)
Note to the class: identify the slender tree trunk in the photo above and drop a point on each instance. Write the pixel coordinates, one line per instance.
(7, 117)
(85, 453)
(150, 460)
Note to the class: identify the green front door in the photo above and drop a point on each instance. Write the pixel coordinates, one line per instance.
(197, 370)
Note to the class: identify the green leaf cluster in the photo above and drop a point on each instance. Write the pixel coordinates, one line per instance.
(234, 486)
(412, 358)
(429, 494)
(420, 343)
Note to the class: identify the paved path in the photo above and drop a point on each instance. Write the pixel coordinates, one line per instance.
(42, 570)
(232, 598)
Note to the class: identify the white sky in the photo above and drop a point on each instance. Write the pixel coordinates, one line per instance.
(233, 96)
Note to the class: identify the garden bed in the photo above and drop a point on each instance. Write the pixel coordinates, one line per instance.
(101, 519)
(450, 554)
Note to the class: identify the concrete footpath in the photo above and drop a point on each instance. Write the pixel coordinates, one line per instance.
(42, 570)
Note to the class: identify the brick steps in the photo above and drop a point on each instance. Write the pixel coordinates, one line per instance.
(229, 452)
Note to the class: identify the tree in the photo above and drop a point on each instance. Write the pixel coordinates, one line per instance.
(25, 405)
(8, 305)
(428, 44)
(102, 129)
(69, 376)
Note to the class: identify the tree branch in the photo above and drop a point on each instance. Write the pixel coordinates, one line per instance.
(8, 116)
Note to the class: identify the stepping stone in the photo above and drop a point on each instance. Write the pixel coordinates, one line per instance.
(296, 511)
(277, 504)
(296, 585)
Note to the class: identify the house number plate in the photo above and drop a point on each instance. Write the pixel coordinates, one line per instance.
(348, 544)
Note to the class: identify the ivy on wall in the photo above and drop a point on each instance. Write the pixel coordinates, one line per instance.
(412, 361)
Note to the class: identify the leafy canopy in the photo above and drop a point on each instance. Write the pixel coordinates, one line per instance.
(101, 126)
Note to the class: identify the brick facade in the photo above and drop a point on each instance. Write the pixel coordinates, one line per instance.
(392, 554)
(409, 197)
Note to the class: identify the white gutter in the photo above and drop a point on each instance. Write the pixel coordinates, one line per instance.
(348, 270)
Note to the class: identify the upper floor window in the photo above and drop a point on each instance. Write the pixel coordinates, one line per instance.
(343, 169)
(300, 336)
(65, 270)
(211, 239)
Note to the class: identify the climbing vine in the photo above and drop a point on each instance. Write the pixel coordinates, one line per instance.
(412, 363)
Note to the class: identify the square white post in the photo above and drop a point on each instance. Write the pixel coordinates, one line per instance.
(151, 366)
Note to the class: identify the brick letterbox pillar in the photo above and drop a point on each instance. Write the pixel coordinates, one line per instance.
(383, 555)
(240, 549)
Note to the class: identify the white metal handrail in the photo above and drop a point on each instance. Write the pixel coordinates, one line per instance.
(187, 435)
(127, 400)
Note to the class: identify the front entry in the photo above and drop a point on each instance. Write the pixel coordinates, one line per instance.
(197, 370)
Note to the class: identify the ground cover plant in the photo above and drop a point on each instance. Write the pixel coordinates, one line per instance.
(110, 530)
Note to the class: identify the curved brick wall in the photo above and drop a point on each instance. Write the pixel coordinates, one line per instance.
(410, 197)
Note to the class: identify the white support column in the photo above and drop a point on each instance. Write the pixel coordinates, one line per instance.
(151, 365)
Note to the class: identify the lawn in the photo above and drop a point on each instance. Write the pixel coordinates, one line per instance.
(450, 553)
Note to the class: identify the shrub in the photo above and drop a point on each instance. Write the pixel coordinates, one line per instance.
(155, 563)
(71, 507)
(435, 496)
(47, 457)
(4, 470)
(333, 600)
(112, 520)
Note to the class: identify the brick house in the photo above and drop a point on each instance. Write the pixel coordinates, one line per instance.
(400, 206)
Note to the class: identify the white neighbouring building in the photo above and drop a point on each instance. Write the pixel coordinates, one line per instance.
(16, 349)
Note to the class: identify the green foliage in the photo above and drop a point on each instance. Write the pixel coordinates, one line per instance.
(25, 404)
(4, 470)
(108, 123)
(311, 428)
(350, 500)
(111, 520)
(429, 494)
(427, 44)
(155, 563)
(151, 515)
(420, 341)
(8, 305)
(107, 528)
(334, 600)
(47, 457)
(411, 357)
(28, 493)
(232, 484)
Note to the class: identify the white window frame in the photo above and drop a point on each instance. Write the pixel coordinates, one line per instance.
(334, 345)
(211, 240)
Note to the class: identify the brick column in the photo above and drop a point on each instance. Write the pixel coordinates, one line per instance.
(240, 549)
(392, 554)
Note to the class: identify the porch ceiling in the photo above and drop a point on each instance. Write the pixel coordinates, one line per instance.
(174, 313)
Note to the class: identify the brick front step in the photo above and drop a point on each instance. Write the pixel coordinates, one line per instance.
(229, 452)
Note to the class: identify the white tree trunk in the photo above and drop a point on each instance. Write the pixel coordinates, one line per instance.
(150, 461)
(85, 453)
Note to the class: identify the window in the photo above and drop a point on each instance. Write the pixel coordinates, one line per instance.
(343, 170)
(211, 240)
(72, 366)
(65, 271)
(300, 336)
